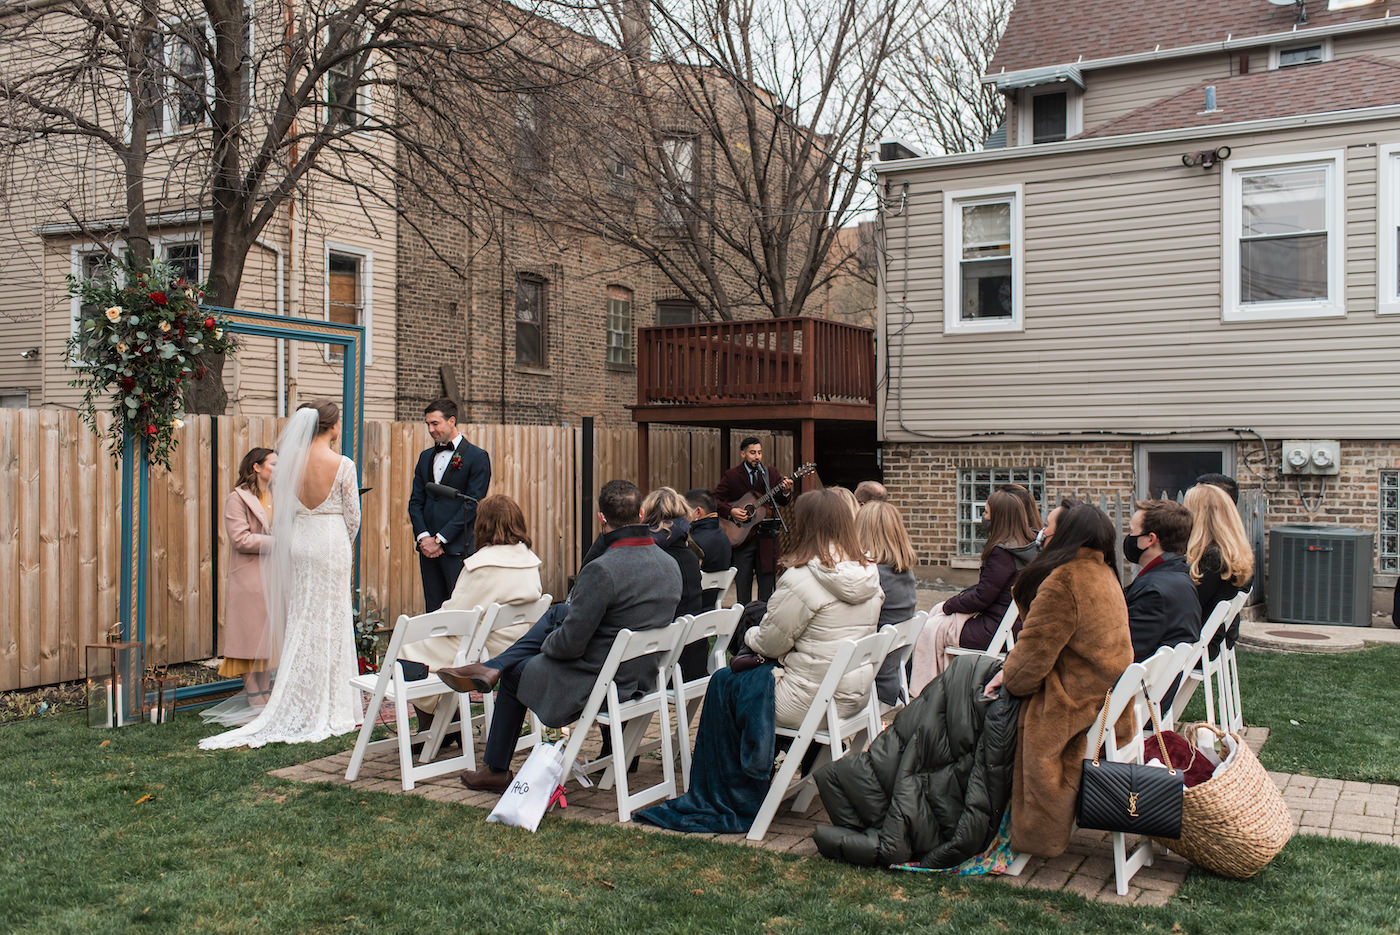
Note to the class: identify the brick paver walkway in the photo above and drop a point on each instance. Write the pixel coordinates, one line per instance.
(1356, 811)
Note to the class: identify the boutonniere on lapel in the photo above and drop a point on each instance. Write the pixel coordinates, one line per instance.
(456, 463)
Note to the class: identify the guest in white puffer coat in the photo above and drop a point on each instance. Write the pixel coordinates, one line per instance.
(829, 592)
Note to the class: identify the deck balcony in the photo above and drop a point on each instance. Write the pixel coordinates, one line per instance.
(810, 376)
(728, 372)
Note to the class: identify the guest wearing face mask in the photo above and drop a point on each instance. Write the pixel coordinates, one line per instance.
(1162, 605)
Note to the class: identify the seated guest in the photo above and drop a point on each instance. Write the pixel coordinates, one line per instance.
(503, 570)
(1218, 556)
(667, 516)
(868, 490)
(550, 670)
(1225, 482)
(971, 618)
(1162, 606)
(1028, 504)
(1074, 645)
(886, 543)
(847, 498)
(829, 593)
(716, 553)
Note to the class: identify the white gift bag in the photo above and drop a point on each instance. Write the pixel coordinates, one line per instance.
(524, 803)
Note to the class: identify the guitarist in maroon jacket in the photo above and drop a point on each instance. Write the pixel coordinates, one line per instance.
(753, 479)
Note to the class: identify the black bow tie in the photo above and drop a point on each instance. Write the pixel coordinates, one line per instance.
(444, 446)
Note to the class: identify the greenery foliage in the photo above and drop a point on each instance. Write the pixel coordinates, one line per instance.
(141, 336)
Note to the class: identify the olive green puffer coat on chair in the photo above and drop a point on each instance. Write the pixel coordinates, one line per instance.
(933, 786)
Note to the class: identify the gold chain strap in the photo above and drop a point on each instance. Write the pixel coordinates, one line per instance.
(1156, 731)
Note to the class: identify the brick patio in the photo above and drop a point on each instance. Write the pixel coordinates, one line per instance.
(1355, 811)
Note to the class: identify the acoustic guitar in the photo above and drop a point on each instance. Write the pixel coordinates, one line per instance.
(740, 533)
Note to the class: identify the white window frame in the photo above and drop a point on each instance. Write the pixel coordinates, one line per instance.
(160, 246)
(953, 201)
(1074, 111)
(76, 253)
(171, 87)
(1334, 162)
(1388, 212)
(365, 111)
(366, 257)
(1275, 52)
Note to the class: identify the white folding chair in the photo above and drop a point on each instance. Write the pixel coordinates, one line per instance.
(718, 579)
(1132, 689)
(1002, 639)
(389, 683)
(498, 617)
(1229, 677)
(665, 643)
(906, 633)
(686, 696)
(823, 725)
(1211, 673)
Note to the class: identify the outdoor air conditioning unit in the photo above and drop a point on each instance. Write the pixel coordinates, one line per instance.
(1320, 574)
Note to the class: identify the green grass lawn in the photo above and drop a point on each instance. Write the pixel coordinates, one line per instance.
(219, 846)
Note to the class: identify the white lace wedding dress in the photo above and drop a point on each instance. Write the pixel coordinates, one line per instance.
(311, 697)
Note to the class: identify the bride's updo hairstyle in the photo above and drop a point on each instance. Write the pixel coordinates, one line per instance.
(327, 414)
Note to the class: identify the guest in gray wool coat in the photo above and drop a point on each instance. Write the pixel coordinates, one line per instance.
(886, 543)
(551, 670)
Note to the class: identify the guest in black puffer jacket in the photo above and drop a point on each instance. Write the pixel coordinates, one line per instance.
(668, 515)
(934, 785)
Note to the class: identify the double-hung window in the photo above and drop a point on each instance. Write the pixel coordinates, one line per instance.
(1388, 171)
(619, 324)
(982, 261)
(1284, 238)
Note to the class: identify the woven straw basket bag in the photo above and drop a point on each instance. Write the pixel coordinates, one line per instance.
(1235, 822)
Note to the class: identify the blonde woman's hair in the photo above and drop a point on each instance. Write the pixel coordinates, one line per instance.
(847, 498)
(882, 535)
(663, 505)
(1216, 522)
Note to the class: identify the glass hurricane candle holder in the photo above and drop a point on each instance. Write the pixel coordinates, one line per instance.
(115, 688)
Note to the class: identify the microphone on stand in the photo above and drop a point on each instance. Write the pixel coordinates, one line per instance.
(451, 493)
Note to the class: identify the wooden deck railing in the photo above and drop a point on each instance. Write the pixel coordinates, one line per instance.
(776, 360)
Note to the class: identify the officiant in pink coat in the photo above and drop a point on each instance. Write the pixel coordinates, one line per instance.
(248, 519)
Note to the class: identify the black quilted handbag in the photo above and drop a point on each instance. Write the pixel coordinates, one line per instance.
(1131, 797)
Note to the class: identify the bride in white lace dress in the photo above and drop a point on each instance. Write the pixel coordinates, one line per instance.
(307, 577)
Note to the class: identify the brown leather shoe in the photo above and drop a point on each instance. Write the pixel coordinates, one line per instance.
(487, 780)
(474, 675)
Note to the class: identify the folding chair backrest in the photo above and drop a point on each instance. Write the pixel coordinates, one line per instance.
(1128, 691)
(850, 655)
(906, 634)
(718, 579)
(719, 624)
(1002, 640)
(1215, 622)
(458, 623)
(498, 617)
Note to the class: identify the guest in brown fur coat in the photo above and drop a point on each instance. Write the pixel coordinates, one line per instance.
(1073, 647)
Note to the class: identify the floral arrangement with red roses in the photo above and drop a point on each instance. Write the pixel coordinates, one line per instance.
(140, 335)
(456, 463)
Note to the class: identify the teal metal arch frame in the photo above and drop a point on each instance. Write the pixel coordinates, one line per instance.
(136, 471)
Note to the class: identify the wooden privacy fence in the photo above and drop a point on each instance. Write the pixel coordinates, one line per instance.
(60, 514)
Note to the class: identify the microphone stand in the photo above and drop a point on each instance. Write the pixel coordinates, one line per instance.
(452, 493)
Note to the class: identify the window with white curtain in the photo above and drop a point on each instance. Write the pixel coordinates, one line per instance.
(1388, 274)
(1283, 238)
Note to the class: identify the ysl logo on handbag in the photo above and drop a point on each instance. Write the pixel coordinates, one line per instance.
(1132, 804)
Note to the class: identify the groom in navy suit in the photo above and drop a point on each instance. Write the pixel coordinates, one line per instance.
(442, 527)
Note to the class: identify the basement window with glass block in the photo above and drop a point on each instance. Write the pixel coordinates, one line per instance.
(975, 485)
(1389, 524)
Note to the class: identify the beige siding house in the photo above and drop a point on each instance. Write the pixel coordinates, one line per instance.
(64, 207)
(1186, 256)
